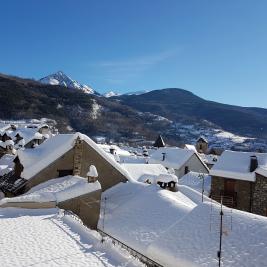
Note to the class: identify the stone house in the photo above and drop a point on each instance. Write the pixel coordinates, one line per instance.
(240, 178)
(202, 145)
(181, 160)
(61, 155)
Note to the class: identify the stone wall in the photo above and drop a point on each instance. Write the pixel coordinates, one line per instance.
(30, 205)
(87, 207)
(79, 159)
(260, 196)
(108, 175)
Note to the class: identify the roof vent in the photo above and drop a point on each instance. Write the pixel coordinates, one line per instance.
(253, 163)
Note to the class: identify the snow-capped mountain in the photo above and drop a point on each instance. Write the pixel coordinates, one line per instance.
(60, 78)
(111, 93)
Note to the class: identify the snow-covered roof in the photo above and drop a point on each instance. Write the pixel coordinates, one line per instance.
(190, 147)
(209, 159)
(35, 160)
(176, 228)
(262, 170)
(26, 133)
(142, 172)
(202, 138)
(151, 173)
(6, 164)
(4, 127)
(174, 157)
(119, 151)
(47, 237)
(2, 144)
(57, 190)
(236, 165)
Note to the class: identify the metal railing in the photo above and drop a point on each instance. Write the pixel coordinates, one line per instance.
(144, 259)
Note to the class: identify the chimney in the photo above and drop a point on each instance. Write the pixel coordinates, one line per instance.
(163, 156)
(112, 150)
(253, 163)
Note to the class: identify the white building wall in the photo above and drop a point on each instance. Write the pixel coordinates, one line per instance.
(194, 164)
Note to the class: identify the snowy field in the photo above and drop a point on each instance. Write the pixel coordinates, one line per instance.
(45, 238)
(177, 229)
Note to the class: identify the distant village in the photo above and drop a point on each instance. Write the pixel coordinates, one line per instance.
(160, 203)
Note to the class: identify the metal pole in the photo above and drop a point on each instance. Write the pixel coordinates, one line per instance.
(221, 232)
(104, 213)
(201, 176)
(202, 187)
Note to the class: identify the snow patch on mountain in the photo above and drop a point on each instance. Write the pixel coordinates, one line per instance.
(110, 94)
(137, 92)
(96, 109)
(59, 78)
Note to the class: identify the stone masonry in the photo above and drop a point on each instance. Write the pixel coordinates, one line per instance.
(260, 196)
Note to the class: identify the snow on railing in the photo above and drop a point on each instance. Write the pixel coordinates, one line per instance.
(142, 258)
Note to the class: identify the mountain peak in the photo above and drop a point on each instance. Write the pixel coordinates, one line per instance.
(60, 78)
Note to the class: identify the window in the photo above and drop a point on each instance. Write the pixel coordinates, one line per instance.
(62, 173)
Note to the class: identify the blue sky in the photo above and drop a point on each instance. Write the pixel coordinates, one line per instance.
(216, 49)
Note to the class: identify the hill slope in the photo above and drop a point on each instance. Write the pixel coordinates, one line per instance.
(90, 114)
(177, 114)
(183, 106)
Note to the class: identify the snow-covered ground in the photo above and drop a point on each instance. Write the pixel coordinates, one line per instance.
(177, 229)
(47, 238)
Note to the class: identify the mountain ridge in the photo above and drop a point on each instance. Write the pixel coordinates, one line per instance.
(60, 78)
(143, 116)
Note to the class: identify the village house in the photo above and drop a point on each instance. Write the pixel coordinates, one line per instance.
(159, 142)
(202, 145)
(6, 145)
(151, 174)
(240, 178)
(61, 155)
(28, 136)
(181, 160)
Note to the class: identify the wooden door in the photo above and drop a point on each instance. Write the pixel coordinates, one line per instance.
(229, 187)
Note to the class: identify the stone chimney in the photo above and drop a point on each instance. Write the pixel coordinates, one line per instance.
(92, 174)
(253, 163)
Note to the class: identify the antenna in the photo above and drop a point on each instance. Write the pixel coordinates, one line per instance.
(221, 219)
